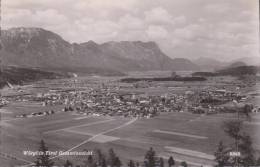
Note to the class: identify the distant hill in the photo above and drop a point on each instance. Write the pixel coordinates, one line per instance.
(177, 79)
(250, 61)
(238, 71)
(236, 64)
(211, 64)
(18, 76)
(184, 65)
(231, 71)
(36, 47)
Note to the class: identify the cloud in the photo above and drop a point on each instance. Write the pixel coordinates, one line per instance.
(97, 27)
(47, 17)
(158, 15)
(156, 32)
(239, 27)
(130, 22)
(89, 29)
(109, 9)
(25, 17)
(126, 4)
(180, 20)
(218, 8)
(16, 17)
(191, 32)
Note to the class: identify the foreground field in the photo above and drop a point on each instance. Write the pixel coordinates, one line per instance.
(177, 134)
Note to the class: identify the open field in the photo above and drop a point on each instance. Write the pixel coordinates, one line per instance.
(65, 131)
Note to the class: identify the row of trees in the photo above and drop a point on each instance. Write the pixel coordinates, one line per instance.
(99, 159)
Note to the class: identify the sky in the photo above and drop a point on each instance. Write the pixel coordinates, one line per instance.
(220, 29)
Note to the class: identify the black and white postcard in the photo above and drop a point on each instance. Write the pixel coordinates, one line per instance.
(129, 83)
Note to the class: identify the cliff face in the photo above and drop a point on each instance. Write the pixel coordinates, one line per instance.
(36, 47)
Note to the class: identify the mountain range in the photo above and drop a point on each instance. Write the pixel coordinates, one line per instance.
(206, 63)
(43, 49)
(39, 48)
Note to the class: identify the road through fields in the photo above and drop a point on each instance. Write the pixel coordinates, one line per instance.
(102, 133)
(88, 124)
(97, 135)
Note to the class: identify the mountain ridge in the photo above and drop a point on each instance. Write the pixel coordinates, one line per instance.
(37, 47)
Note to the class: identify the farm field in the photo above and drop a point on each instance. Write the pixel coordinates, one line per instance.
(64, 131)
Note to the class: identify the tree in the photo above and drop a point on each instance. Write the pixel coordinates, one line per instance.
(257, 161)
(184, 164)
(161, 162)
(150, 158)
(174, 74)
(233, 128)
(171, 161)
(247, 109)
(43, 159)
(117, 163)
(90, 159)
(98, 156)
(131, 163)
(68, 164)
(103, 163)
(90, 162)
(111, 157)
(221, 155)
(243, 143)
(247, 151)
(146, 163)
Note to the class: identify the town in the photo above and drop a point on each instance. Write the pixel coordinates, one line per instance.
(123, 100)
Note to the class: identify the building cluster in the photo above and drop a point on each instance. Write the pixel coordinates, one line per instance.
(211, 101)
(3, 101)
(111, 101)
